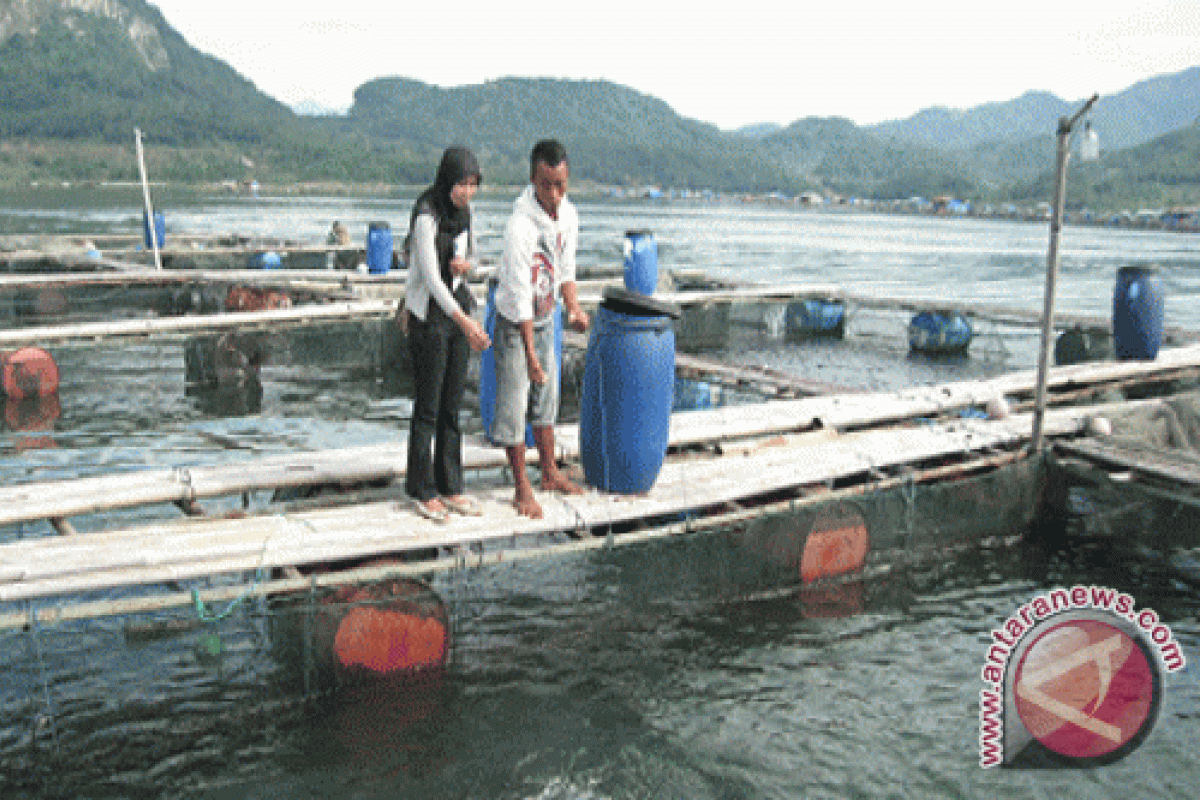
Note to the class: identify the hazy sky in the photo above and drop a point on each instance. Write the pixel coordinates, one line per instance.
(729, 63)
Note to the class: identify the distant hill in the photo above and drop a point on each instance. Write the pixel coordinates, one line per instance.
(1145, 111)
(614, 134)
(759, 130)
(76, 76)
(835, 153)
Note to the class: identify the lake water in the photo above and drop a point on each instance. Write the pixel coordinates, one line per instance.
(624, 674)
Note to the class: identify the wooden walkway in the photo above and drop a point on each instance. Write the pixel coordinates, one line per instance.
(198, 547)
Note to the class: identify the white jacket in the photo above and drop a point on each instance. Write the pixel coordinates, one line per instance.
(424, 278)
(538, 258)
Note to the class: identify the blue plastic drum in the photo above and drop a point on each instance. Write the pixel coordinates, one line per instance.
(160, 230)
(628, 382)
(487, 366)
(379, 248)
(816, 318)
(641, 262)
(1137, 314)
(938, 332)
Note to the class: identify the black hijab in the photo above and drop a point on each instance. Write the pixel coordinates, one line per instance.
(457, 163)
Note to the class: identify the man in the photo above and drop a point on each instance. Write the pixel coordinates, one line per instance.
(537, 264)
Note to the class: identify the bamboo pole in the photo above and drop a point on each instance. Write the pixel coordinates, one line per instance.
(1060, 184)
(149, 206)
(199, 323)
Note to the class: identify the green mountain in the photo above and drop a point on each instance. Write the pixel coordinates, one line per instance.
(614, 134)
(90, 71)
(1144, 111)
(76, 76)
(838, 155)
(72, 70)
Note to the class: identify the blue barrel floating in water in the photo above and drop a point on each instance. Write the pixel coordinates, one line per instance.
(816, 318)
(487, 365)
(625, 403)
(1137, 313)
(160, 229)
(692, 395)
(267, 260)
(641, 262)
(379, 248)
(939, 332)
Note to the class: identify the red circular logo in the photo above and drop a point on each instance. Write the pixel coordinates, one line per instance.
(1087, 690)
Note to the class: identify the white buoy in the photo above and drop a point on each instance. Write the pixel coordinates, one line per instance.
(1099, 426)
(997, 408)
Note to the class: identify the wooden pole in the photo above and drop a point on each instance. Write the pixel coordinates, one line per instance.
(1056, 218)
(149, 206)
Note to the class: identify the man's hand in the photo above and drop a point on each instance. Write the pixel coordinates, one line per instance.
(577, 319)
(459, 266)
(536, 374)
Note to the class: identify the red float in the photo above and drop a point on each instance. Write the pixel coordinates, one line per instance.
(28, 372)
(837, 544)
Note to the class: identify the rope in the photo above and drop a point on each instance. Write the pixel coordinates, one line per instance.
(48, 718)
(202, 612)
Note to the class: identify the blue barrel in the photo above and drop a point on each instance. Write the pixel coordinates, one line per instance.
(267, 260)
(379, 248)
(160, 229)
(816, 318)
(625, 403)
(1137, 314)
(487, 366)
(938, 332)
(692, 395)
(641, 262)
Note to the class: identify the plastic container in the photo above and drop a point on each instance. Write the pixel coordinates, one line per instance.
(267, 260)
(816, 318)
(938, 332)
(487, 366)
(160, 230)
(1137, 314)
(628, 382)
(641, 262)
(379, 248)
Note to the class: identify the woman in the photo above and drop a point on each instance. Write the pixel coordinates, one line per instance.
(441, 334)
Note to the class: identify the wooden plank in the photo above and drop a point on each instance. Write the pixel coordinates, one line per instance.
(839, 412)
(1169, 464)
(200, 323)
(193, 548)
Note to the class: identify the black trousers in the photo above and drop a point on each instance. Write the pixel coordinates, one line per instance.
(440, 352)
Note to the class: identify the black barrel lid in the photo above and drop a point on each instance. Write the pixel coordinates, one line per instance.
(639, 304)
(639, 232)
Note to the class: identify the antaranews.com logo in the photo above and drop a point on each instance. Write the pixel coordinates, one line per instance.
(1073, 678)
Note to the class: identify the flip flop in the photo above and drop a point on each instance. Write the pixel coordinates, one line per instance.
(468, 507)
(437, 515)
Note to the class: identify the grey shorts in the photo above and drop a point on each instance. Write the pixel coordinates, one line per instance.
(517, 400)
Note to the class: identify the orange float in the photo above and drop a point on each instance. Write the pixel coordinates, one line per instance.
(394, 630)
(837, 544)
(28, 372)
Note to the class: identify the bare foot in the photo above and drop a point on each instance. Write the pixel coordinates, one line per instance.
(555, 481)
(527, 505)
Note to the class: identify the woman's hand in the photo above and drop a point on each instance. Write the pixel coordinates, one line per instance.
(476, 336)
(459, 266)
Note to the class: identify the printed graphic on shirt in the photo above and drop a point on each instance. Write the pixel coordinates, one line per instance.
(543, 281)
